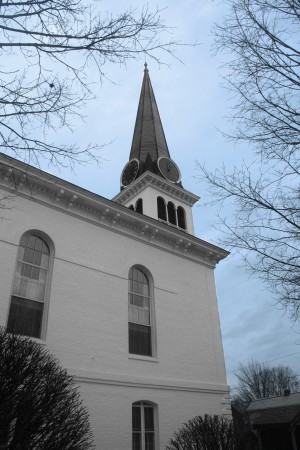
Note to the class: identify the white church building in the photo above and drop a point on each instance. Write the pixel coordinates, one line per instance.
(120, 291)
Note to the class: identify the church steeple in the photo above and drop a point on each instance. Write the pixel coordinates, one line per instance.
(149, 149)
(148, 136)
(151, 181)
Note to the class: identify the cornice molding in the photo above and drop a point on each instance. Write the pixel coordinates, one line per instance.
(146, 383)
(38, 186)
(164, 186)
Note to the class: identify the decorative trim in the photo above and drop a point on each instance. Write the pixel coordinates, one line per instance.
(147, 383)
(52, 192)
(165, 186)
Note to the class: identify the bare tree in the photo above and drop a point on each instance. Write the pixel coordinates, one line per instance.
(263, 71)
(47, 49)
(257, 380)
(40, 405)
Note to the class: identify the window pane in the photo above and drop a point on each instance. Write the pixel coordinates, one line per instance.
(139, 339)
(139, 206)
(42, 275)
(35, 273)
(23, 288)
(171, 213)
(46, 248)
(136, 418)
(37, 258)
(134, 274)
(25, 317)
(161, 208)
(32, 290)
(38, 244)
(16, 286)
(41, 292)
(31, 241)
(26, 270)
(143, 317)
(133, 314)
(136, 300)
(136, 441)
(181, 217)
(29, 255)
(149, 441)
(149, 418)
(142, 277)
(138, 287)
(45, 261)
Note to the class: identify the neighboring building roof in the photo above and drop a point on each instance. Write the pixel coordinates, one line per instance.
(275, 410)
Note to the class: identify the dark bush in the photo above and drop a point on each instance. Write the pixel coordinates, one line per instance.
(211, 433)
(40, 407)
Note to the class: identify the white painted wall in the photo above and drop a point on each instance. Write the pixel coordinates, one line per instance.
(88, 329)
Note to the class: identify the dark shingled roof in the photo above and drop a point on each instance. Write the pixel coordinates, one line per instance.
(275, 410)
(148, 137)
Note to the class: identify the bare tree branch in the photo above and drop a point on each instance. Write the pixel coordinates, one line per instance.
(263, 71)
(48, 46)
(257, 380)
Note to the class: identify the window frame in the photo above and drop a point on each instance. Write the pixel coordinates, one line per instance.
(44, 320)
(152, 326)
(142, 404)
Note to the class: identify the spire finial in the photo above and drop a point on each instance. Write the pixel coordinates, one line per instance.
(146, 67)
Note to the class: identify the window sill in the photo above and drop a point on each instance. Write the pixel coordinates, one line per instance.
(143, 358)
(37, 340)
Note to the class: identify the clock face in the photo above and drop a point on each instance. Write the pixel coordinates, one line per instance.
(169, 169)
(130, 172)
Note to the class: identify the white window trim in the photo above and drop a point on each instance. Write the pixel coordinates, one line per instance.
(143, 403)
(154, 352)
(41, 340)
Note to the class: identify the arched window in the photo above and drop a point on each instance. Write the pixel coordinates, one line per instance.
(30, 286)
(143, 426)
(161, 209)
(181, 217)
(140, 313)
(172, 213)
(139, 206)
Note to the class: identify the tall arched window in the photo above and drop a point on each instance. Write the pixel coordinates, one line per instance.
(30, 286)
(172, 213)
(143, 426)
(181, 217)
(140, 313)
(161, 209)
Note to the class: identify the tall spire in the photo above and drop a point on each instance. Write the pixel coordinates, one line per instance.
(149, 149)
(148, 142)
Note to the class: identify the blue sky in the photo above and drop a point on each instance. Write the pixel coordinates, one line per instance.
(193, 106)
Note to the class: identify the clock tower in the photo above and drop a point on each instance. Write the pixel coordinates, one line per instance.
(151, 180)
